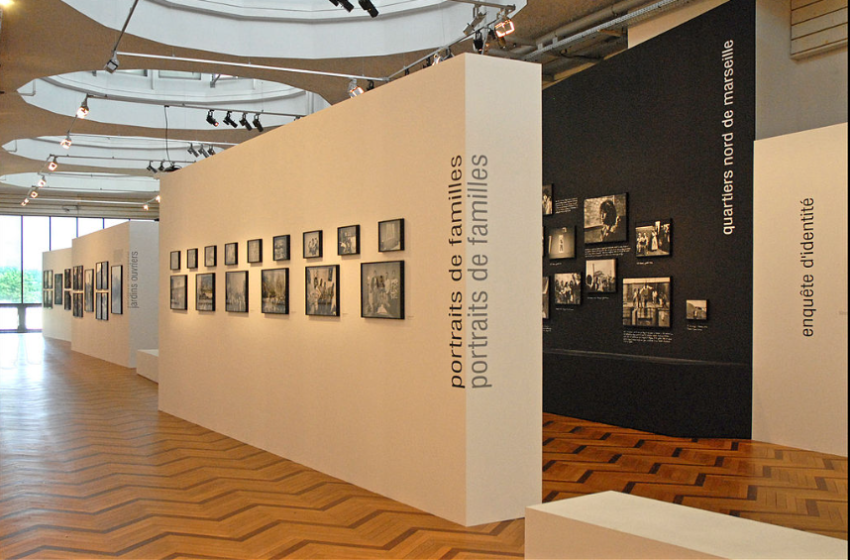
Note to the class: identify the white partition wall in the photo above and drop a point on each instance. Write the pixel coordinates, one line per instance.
(134, 247)
(800, 296)
(441, 410)
(56, 319)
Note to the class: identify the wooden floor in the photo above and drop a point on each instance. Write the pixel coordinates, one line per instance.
(90, 469)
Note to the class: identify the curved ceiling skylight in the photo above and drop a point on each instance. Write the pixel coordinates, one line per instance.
(307, 29)
(136, 98)
(103, 183)
(126, 153)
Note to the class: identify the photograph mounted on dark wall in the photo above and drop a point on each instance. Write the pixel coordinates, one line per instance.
(654, 239)
(561, 243)
(382, 290)
(606, 219)
(545, 297)
(697, 310)
(646, 302)
(568, 288)
(600, 276)
(548, 203)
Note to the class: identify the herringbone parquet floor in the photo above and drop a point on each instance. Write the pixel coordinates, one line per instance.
(90, 469)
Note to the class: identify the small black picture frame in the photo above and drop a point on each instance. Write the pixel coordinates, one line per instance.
(205, 291)
(174, 263)
(280, 248)
(275, 291)
(567, 289)
(98, 276)
(391, 235)
(382, 290)
(600, 276)
(321, 290)
(116, 299)
(68, 279)
(654, 239)
(312, 244)
(236, 291)
(348, 240)
(255, 251)
(191, 259)
(696, 310)
(57, 291)
(88, 286)
(210, 255)
(231, 254)
(179, 292)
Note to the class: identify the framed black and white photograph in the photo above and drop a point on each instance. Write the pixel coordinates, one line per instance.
(66, 301)
(348, 240)
(98, 276)
(210, 254)
(178, 292)
(255, 251)
(98, 311)
(88, 289)
(57, 291)
(231, 254)
(312, 246)
(600, 276)
(78, 278)
(548, 202)
(561, 243)
(104, 306)
(321, 290)
(280, 248)
(275, 291)
(606, 219)
(545, 297)
(47, 281)
(646, 302)
(117, 290)
(568, 288)
(191, 259)
(174, 263)
(67, 278)
(654, 239)
(696, 310)
(205, 291)
(78, 304)
(47, 299)
(236, 291)
(382, 290)
(391, 235)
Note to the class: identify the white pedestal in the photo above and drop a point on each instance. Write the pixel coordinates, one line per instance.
(615, 525)
(147, 364)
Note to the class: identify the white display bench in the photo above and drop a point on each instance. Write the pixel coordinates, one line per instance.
(147, 364)
(614, 525)
(416, 409)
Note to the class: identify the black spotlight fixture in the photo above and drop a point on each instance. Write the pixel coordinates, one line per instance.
(211, 118)
(204, 151)
(151, 168)
(172, 168)
(257, 124)
(229, 120)
(347, 5)
(162, 165)
(211, 150)
(370, 85)
(478, 42)
(369, 7)
(244, 121)
(113, 64)
(193, 151)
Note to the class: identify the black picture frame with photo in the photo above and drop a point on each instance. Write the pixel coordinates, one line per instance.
(178, 292)
(696, 310)
(174, 262)
(205, 291)
(274, 292)
(647, 302)
(88, 288)
(606, 219)
(280, 248)
(116, 290)
(231, 254)
(210, 255)
(311, 246)
(382, 290)
(191, 259)
(98, 309)
(66, 301)
(567, 289)
(348, 240)
(47, 299)
(654, 239)
(561, 243)
(77, 305)
(58, 280)
(546, 311)
(78, 278)
(548, 199)
(98, 276)
(321, 290)
(236, 291)
(600, 276)
(255, 251)
(68, 279)
(104, 306)
(391, 235)
(47, 280)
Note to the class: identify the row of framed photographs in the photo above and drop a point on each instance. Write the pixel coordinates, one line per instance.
(84, 298)
(652, 239)
(381, 291)
(390, 239)
(646, 301)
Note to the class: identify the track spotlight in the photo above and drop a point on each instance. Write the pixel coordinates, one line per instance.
(204, 151)
(53, 164)
(353, 89)
(244, 121)
(478, 15)
(211, 118)
(162, 165)
(229, 120)
(478, 42)
(504, 27)
(346, 4)
(211, 150)
(113, 64)
(151, 168)
(34, 193)
(145, 207)
(369, 7)
(192, 150)
(370, 85)
(438, 58)
(42, 182)
(172, 168)
(25, 202)
(83, 110)
(158, 198)
(257, 124)
(66, 142)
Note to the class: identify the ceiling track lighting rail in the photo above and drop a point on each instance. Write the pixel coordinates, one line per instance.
(112, 158)
(207, 108)
(112, 64)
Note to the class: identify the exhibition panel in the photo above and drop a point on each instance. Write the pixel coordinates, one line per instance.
(800, 295)
(399, 204)
(648, 252)
(56, 320)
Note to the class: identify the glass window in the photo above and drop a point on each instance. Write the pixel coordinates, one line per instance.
(8, 318)
(89, 225)
(10, 261)
(62, 231)
(33, 318)
(36, 242)
(109, 222)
